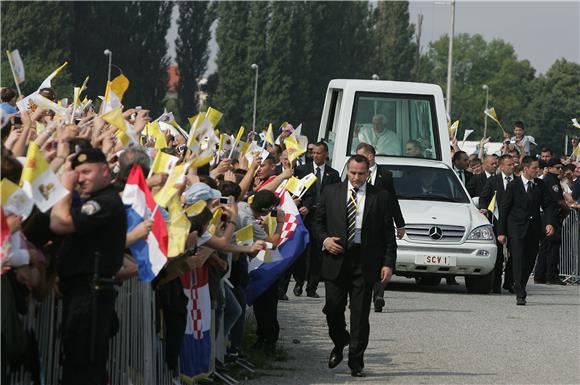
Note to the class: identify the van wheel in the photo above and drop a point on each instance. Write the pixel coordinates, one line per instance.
(479, 284)
(427, 281)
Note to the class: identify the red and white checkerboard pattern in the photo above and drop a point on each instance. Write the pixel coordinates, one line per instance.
(196, 315)
(290, 223)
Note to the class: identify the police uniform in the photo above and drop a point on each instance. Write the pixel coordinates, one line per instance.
(100, 227)
(549, 251)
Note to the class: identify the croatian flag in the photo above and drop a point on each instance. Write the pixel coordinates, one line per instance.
(150, 252)
(267, 267)
(195, 356)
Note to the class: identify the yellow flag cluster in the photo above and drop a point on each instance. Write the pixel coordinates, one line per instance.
(295, 150)
(177, 229)
(169, 190)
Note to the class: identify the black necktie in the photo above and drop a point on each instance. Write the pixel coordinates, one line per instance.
(530, 192)
(351, 216)
(508, 179)
(318, 184)
(462, 176)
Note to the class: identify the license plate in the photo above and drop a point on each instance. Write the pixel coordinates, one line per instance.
(435, 260)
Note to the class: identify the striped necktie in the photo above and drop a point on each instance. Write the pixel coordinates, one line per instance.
(351, 209)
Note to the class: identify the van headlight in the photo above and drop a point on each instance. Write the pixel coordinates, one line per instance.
(482, 233)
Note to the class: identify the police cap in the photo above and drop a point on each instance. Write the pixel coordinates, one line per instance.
(88, 155)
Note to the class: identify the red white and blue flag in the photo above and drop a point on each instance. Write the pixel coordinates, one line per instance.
(195, 356)
(265, 270)
(150, 252)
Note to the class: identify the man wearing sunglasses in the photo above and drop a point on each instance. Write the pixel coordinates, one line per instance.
(546, 270)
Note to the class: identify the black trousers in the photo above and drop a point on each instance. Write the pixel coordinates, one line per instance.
(549, 256)
(78, 317)
(499, 269)
(350, 283)
(523, 252)
(313, 264)
(266, 313)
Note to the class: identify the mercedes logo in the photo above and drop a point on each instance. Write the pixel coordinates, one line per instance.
(435, 233)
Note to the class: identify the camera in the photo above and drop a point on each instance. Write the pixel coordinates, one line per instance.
(224, 200)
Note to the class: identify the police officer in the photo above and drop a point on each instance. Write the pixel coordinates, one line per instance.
(95, 230)
(546, 270)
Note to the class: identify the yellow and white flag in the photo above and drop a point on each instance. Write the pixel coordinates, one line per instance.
(306, 183)
(270, 135)
(114, 93)
(293, 186)
(47, 83)
(245, 235)
(177, 228)
(575, 123)
(215, 220)
(272, 222)
(576, 152)
(163, 163)
(453, 129)
(115, 117)
(493, 115)
(14, 200)
(493, 207)
(39, 182)
(295, 150)
(17, 65)
(47, 104)
(167, 192)
(195, 209)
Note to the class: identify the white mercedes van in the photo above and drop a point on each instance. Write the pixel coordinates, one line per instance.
(406, 123)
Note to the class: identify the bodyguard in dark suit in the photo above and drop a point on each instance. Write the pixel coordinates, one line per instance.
(382, 179)
(355, 222)
(307, 268)
(460, 164)
(477, 182)
(520, 222)
(495, 186)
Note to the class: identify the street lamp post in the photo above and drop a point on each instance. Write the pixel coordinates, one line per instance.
(108, 53)
(486, 88)
(255, 67)
(450, 58)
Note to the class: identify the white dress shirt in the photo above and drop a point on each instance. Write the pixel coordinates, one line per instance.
(373, 173)
(505, 182)
(315, 166)
(525, 181)
(360, 208)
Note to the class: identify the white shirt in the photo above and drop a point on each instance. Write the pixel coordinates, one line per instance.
(488, 175)
(315, 166)
(525, 181)
(373, 173)
(505, 182)
(360, 209)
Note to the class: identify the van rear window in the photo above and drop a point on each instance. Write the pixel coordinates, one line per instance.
(395, 124)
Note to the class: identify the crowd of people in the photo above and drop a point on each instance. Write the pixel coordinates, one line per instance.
(532, 222)
(88, 233)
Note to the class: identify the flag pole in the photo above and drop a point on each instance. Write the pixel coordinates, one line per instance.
(109, 53)
(14, 74)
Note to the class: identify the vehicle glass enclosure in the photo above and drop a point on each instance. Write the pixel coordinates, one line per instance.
(399, 125)
(427, 183)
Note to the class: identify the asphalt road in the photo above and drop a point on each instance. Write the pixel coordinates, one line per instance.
(441, 335)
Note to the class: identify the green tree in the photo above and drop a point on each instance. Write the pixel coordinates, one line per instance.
(395, 49)
(195, 20)
(475, 63)
(556, 100)
(41, 31)
(234, 75)
(135, 33)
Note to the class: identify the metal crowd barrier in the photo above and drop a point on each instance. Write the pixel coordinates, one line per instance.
(570, 248)
(136, 353)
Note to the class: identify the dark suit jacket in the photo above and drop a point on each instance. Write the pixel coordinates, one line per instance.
(519, 214)
(468, 176)
(476, 184)
(330, 177)
(384, 181)
(378, 243)
(493, 185)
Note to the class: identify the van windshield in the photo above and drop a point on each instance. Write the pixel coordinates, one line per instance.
(395, 124)
(427, 183)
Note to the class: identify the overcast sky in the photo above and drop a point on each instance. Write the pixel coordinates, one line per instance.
(540, 31)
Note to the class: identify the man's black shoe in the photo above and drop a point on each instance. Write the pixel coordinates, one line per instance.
(335, 357)
(496, 290)
(556, 282)
(282, 297)
(297, 290)
(509, 288)
(357, 373)
(539, 281)
(378, 309)
(313, 295)
(520, 301)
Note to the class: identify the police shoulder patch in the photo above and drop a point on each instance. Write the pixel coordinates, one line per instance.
(556, 188)
(90, 208)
